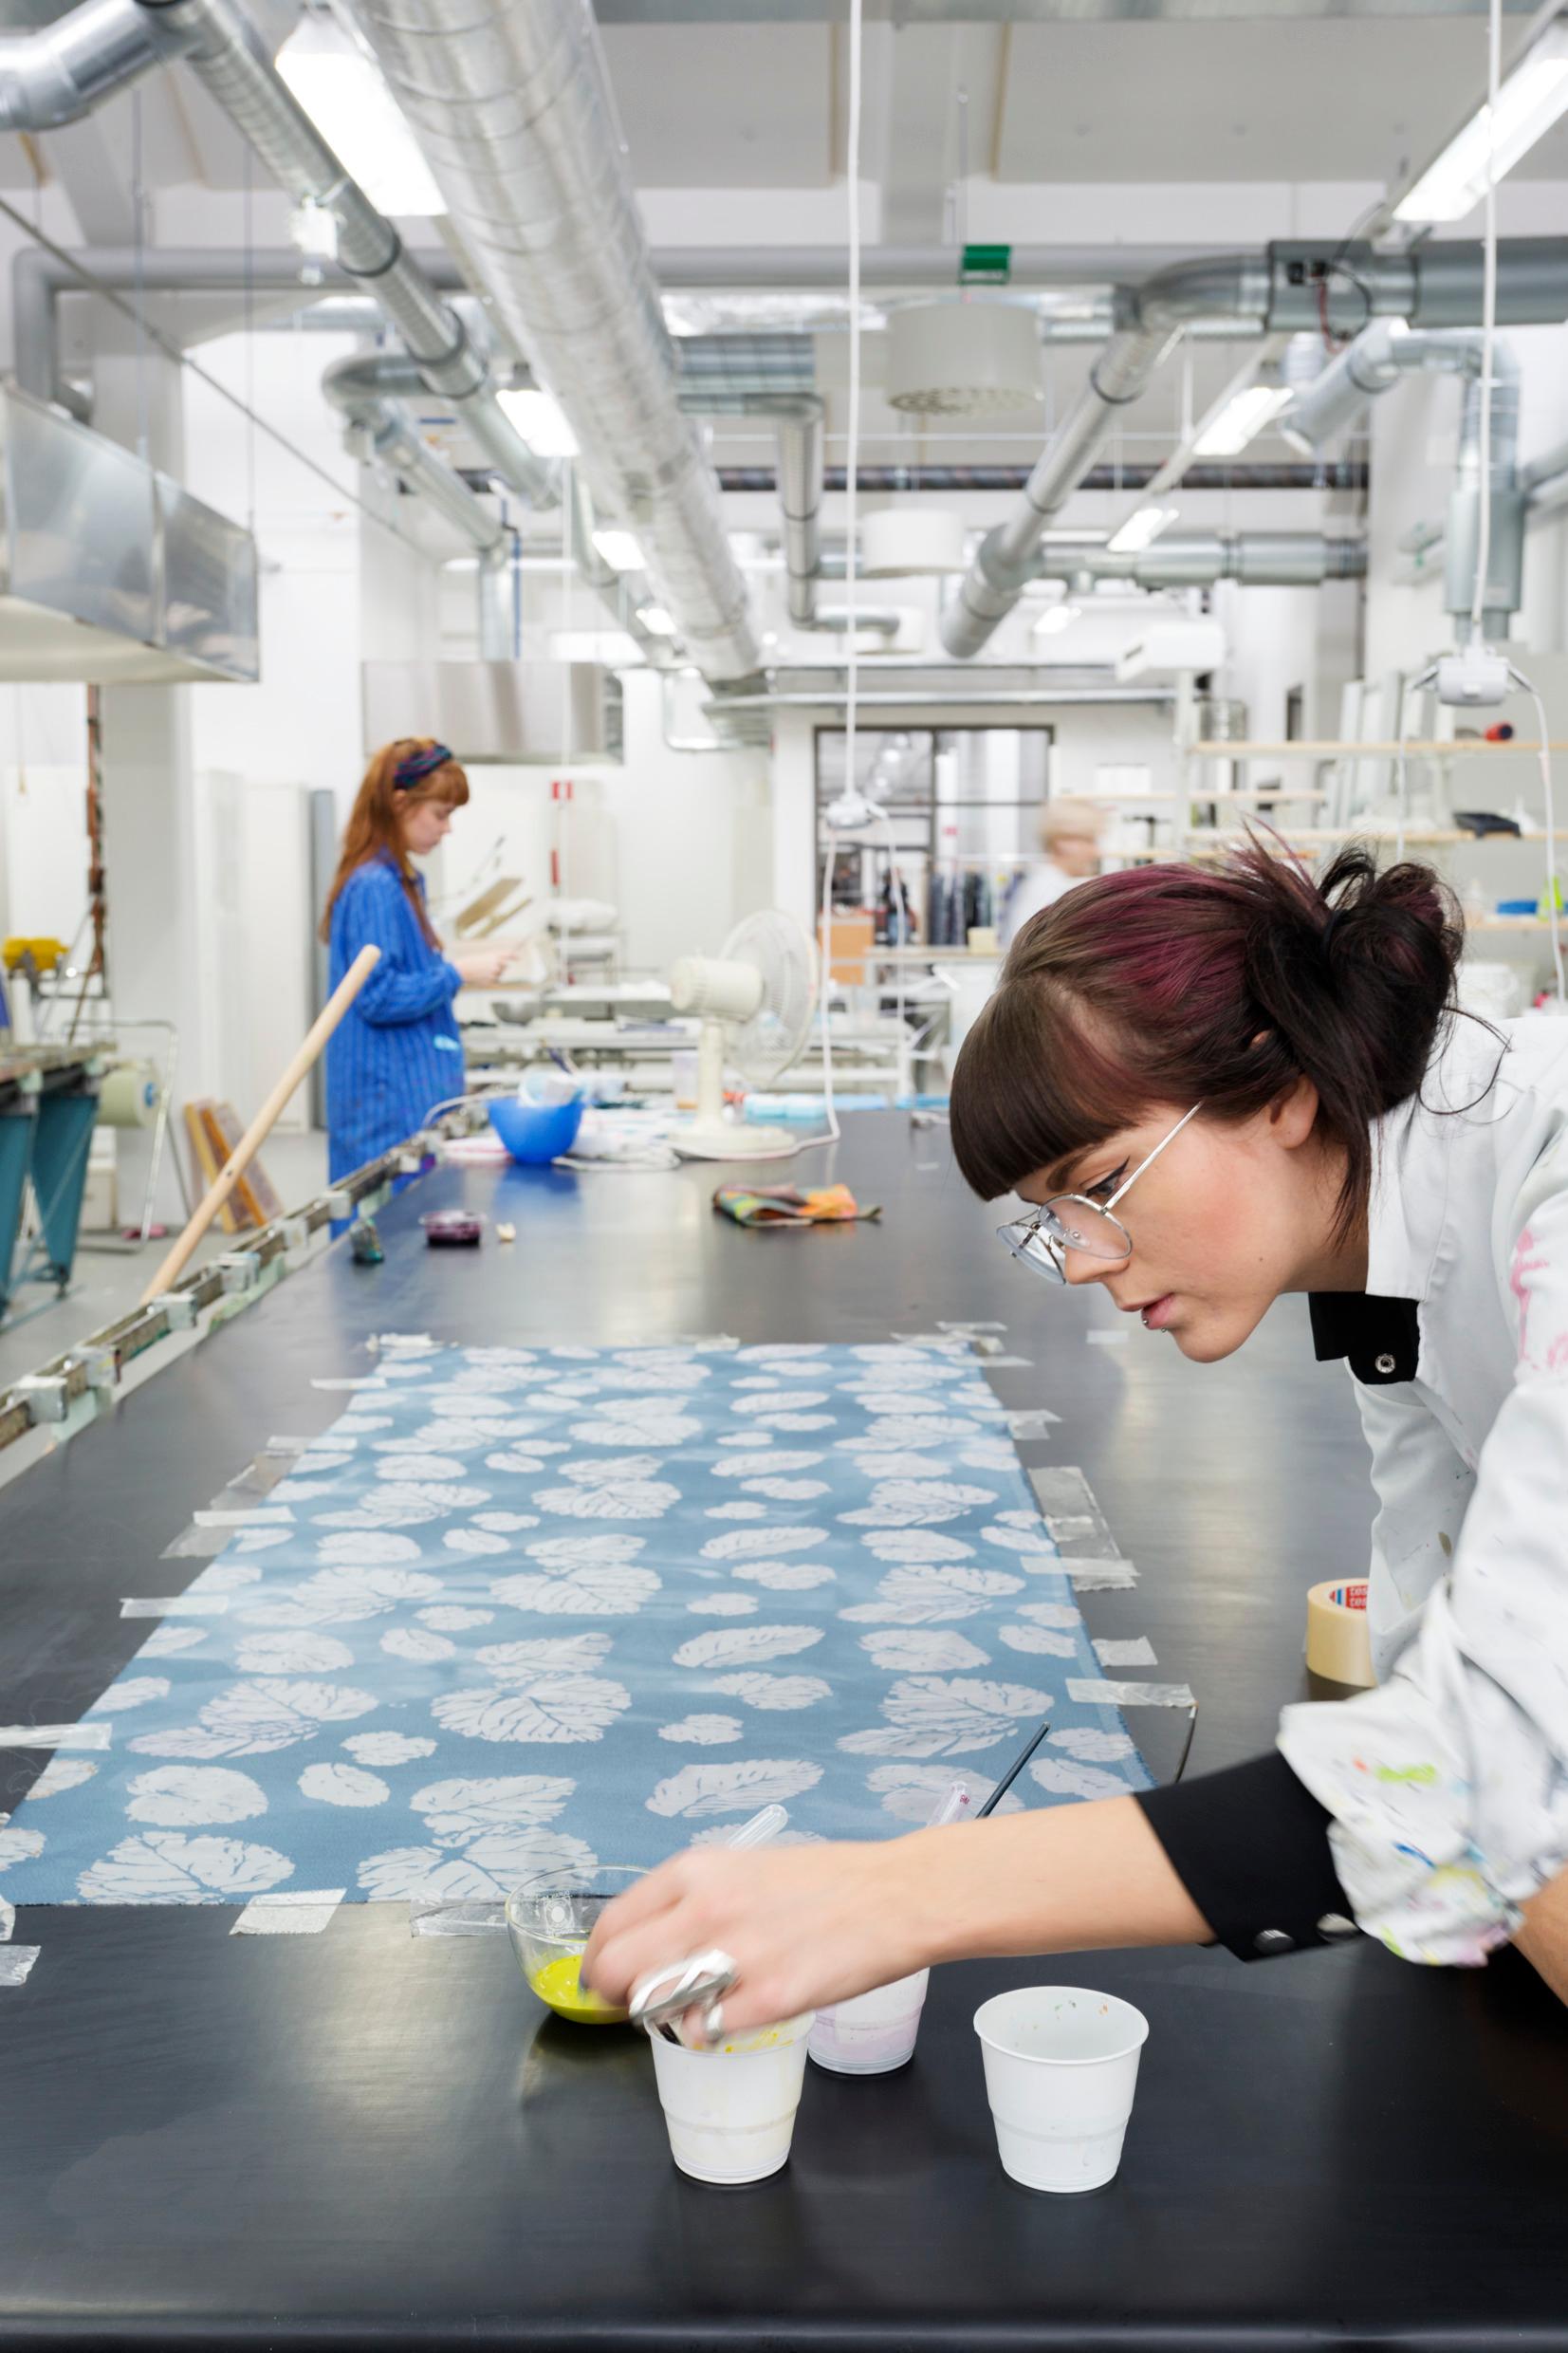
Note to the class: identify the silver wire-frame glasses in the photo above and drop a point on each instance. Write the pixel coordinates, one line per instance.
(1072, 1221)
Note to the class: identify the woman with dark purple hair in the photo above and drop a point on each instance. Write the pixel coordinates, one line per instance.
(1210, 1086)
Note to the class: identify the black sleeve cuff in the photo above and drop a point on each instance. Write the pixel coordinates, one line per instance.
(1250, 1846)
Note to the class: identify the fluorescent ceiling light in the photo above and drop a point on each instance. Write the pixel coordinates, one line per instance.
(541, 420)
(621, 550)
(1140, 530)
(1078, 535)
(655, 620)
(341, 88)
(1529, 102)
(1243, 416)
(1055, 619)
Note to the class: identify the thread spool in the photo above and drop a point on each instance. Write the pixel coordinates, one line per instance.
(1338, 1644)
(129, 1096)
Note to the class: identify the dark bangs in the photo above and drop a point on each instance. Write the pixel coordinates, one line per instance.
(1031, 1087)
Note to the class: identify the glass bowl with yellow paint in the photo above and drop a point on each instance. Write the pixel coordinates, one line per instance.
(550, 1919)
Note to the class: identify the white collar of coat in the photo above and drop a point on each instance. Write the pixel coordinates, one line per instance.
(1415, 1151)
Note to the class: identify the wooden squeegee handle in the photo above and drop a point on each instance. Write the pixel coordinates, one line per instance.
(256, 1134)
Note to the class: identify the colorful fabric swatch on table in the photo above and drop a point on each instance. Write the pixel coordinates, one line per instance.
(526, 1607)
(788, 1205)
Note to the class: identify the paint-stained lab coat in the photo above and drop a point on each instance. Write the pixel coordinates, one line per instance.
(1449, 1783)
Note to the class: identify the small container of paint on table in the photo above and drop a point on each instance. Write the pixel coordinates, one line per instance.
(550, 1919)
(729, 2109)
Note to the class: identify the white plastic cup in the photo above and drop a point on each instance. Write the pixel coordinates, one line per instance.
(731, 2111)
(873, 2033)
(1061, 2066)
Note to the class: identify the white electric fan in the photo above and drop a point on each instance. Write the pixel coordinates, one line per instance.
(755, 1002)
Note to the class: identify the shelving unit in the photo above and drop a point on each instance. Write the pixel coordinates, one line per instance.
(1200, 791)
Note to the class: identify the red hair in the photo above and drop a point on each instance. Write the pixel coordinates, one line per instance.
(1168, 985)
(374, 822)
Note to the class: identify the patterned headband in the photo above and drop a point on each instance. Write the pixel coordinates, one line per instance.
(419, 765)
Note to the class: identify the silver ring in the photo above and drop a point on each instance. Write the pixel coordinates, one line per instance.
(697, 1983)
(712, 2023)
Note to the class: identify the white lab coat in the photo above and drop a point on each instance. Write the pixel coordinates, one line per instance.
(1449, 1783)
(1037, 888)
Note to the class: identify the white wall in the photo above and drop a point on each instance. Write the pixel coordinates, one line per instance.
(679, 843)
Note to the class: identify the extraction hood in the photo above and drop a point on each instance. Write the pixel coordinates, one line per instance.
(109, 572)
(526, 714)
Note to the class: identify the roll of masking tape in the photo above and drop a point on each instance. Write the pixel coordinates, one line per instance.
(1337, 1643)
(128, 1097)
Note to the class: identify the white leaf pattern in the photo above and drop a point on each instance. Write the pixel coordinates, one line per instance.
(918, 1503)
(773, 1691)
(1091, 1746)
(757, 1466)
(60, 1775)
(931, 1715)
(302, 1653)
(418, 1643)
(553, 1655)
(250, 1718)
(387, 1747)
(737, 1646)
(917, 1650)
(342, 1785)
(737, 1789)
(134, 1693)
(487, 1626)
(165, 1866)
(552, 1708)
(930, 1594)
(785, 1576)
(1065, 1777)
(457, 1811)
(744, 1544)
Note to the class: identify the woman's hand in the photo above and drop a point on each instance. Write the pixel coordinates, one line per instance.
(481, 967)
(807, 1925)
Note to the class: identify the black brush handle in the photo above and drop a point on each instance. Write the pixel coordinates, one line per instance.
(1014, 1770)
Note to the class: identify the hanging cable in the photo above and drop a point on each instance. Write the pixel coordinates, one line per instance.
(1488, 318)
(852, 461)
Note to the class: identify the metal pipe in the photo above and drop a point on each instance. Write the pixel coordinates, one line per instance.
(1288, 288)
(60, 73)
(511, 104)
(226, 55)
(1198, 559)
(1370, 366)
(380, 429)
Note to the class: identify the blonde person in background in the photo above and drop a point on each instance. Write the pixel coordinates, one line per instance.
(1069, 842)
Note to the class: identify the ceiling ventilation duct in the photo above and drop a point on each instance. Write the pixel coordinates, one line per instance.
(510, 101)
(963, 360)
(522, 713)
(109, 572)
(909, 543)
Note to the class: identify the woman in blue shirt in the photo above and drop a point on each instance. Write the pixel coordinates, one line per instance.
(397, 1053)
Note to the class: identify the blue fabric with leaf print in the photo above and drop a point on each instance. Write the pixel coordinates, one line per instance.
(526, 1607)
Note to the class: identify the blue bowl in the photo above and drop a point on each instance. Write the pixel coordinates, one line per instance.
(534, 1133)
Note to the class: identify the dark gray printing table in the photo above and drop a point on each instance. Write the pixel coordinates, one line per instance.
(363, 2137)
